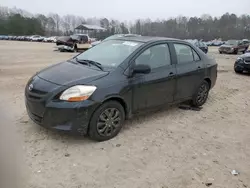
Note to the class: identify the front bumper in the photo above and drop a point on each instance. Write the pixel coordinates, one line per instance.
(227, 50)
(241, 65)
(59, 115)
(64, 47)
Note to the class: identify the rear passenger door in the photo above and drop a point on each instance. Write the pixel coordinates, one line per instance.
(190, 70)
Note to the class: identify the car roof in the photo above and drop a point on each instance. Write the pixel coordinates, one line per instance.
(145, 39)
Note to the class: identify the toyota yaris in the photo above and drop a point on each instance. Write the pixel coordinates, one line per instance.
(94, 92)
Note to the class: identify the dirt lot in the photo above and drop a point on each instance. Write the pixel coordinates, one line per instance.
(171, 148)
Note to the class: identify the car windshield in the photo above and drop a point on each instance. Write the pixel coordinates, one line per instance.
(232, 42)
(110, 53)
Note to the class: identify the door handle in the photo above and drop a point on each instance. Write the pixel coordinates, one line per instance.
(199, 67)
(171, 74)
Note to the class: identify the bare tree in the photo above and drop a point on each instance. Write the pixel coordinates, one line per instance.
(57, 20)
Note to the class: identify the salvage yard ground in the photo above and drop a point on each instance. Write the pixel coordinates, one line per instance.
(171, 148)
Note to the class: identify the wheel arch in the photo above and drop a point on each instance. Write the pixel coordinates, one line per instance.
(208, 80)
(121, 101)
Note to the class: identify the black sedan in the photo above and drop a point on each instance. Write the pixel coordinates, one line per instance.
(94, 92)
(242, 63)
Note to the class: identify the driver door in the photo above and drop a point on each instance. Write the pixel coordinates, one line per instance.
(157, 87)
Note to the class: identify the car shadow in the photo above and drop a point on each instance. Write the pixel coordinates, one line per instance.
(148, 116)
(65, 137)
(244, 74)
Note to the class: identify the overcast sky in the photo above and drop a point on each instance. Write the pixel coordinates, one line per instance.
(132, 9)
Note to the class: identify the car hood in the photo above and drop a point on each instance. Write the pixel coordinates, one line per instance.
(246, 55)
(67, 73)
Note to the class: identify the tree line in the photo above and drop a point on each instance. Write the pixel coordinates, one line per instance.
(15, 21)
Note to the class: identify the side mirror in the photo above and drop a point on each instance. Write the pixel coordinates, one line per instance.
(141, 69)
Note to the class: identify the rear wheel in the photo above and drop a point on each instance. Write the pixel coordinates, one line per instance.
(245, 51)
(201, 95)
(106, 121)
(220, 52)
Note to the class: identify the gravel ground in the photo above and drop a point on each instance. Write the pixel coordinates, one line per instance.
(170, 148)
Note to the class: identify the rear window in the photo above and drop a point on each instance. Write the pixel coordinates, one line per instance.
(83, 38)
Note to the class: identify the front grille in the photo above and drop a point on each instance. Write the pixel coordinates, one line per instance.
(38, 91)
(247, 60)
(35, 94)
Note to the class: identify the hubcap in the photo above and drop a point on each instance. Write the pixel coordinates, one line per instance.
(108, 121)
(202, 93)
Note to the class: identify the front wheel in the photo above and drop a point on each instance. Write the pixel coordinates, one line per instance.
(201, 95)
(106, 121)
(237, 69)
(75, 48)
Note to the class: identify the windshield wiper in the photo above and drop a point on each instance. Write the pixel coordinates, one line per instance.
(90, 62)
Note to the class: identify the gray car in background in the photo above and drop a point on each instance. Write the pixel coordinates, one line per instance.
(114, 37)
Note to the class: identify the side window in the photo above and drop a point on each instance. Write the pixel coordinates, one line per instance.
(196, 56)
(155, 56)
(184, 53)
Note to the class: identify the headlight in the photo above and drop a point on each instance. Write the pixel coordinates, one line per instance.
(77, 93)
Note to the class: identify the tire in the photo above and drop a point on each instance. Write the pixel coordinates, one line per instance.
(75, 48)
(236, 52)
(245, 51)
(103, 116)
(220, 52)
(237, 70)
(201, 95)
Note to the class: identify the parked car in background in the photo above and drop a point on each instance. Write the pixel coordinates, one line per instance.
(200, 45)
(36, 38)
(46, 39)
(242, 63)
(52, 39)
(233, 47)
(246, 42)
(114, 37)
(94, 92)
(208, 43)
(217, 43)
(203, 46)
(73, 43)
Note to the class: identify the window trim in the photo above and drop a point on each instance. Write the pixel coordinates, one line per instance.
(197, 55)
(177, 42)
(150, 46)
